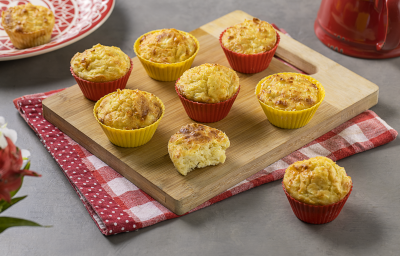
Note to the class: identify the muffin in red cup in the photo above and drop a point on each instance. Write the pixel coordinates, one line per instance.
(207, 92)
(249, 46)
(101, 70)
(316, 189)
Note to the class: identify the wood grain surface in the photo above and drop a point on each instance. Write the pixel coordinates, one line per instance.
(255, 143)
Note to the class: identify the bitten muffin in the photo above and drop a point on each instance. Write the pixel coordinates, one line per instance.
(250, 37)
(289, 92)
(197, 145)
(167, 46)
(317, 181)
(101, 64)
(28, 25)
(129, 109)
(208, 83)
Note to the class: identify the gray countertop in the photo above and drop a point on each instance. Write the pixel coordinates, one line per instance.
(256, 222)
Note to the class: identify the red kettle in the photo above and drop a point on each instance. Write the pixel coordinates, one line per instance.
(360, 28)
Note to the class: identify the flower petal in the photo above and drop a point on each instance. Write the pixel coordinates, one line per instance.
(3, 141)
(10, 133)
(25, 153)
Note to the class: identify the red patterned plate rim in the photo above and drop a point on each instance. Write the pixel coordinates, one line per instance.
(75, 19)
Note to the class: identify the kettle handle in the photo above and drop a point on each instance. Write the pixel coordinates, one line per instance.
(392, 28)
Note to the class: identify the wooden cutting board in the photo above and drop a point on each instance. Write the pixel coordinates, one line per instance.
(255, 143)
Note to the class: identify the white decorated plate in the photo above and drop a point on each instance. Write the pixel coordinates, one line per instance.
(75, 19)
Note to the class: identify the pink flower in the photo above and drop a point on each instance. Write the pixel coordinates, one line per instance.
(10, 170)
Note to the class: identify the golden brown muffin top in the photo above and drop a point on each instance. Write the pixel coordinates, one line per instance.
(27, 18)
(101, 63)
(317, 181)
(197, 146)
(208, 83)
(129, 109)
(250, 37)
(196, 134)
(167, 46)
(289, 92)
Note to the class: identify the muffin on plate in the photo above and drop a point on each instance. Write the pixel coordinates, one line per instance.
(101, 70)
(197, 146)
(208, 91)
(249, 46)
(317, 189)
(129, 118)
(289, 100)
(166, 53)
(28, 25)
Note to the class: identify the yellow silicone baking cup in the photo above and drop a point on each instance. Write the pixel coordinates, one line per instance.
(165, 72)
(129, 138)
(291, 119)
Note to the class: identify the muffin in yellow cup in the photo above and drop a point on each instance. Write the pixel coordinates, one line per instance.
(129, 118)
(28, 25)
(289, 100)
(166, 53)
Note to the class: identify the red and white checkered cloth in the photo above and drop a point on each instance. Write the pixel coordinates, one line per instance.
(116, 205)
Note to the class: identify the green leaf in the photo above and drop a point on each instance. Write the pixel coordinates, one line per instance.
(28, 164)
(8, 222)
(4, 205)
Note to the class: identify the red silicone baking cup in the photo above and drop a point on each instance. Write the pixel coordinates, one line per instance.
(96, 90)
(316, 214)
(207, 112)
(249, 63)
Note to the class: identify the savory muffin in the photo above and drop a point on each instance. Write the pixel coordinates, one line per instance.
(129, 109)
(250, 37)
(208, 83)
(101, 64)
(167, 46)
(28, 25)
(317, 181)
(289, 92)
(197, 145)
